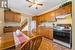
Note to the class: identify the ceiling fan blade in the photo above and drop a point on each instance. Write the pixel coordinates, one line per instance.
(30, 6)
(36, 7)
(40, 4)
(31, 2)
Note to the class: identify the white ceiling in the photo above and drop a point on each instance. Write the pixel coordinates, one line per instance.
(22, 6)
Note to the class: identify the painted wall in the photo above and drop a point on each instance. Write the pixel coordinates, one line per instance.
(14, 24)
(47, 24)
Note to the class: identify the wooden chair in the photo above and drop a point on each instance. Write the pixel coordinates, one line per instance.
(32, 44)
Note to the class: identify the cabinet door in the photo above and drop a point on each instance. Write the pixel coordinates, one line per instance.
(49, 17)
(68, 9)
(46, 17)
(9, 16)
(41, 18)
(12, 17)
(17, 18)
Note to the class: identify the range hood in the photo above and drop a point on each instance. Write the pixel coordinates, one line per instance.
(62, 16)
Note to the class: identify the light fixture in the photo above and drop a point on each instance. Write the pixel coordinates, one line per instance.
(34, 3)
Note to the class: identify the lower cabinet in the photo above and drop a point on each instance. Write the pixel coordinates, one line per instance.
(10, 29)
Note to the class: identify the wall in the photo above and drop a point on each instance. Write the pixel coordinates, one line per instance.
(14, 24)
(47, 24)
(73, 25)
(1, 20)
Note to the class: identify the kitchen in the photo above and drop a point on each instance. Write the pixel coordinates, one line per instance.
(54, 26)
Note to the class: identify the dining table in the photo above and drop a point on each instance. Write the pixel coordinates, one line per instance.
(9, 39)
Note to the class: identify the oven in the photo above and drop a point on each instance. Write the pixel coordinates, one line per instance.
(63, 37)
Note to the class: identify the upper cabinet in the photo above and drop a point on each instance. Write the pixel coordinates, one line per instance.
(47, 17)
(10, 16)
(51, 16)
(64, 10)
(17, 18)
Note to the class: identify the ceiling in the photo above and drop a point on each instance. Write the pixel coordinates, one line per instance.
(22, 6)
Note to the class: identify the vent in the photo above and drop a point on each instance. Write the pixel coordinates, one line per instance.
(65, 4)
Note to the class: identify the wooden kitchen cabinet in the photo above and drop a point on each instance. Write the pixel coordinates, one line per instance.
(10, 29)
(51, 16)
(48, 17)
(41, 19)
(45, 32)
(64, 10)
(17, 18)
(68, 9)
(12, 16)
(8, 16)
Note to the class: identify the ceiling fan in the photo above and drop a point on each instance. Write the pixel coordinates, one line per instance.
(34, 2)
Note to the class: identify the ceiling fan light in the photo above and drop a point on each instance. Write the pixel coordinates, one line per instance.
(30, 6)
(35, 4)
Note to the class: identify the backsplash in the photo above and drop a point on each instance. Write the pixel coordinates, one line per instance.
(47, 24)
